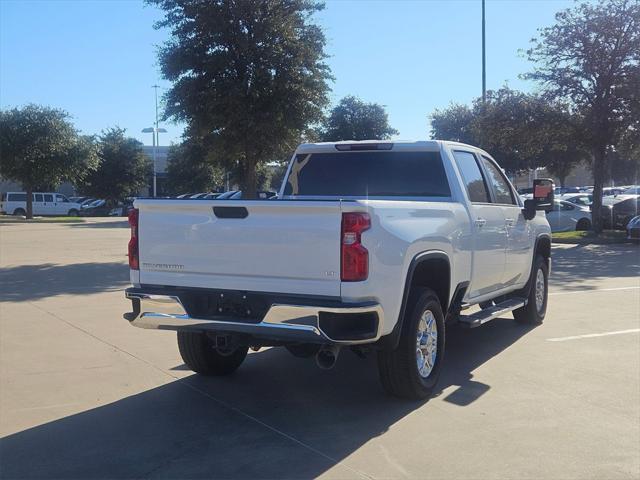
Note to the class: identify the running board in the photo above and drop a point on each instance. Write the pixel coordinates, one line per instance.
(488, 314)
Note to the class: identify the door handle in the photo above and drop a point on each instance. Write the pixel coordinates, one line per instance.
(480, 222)
(509, 222)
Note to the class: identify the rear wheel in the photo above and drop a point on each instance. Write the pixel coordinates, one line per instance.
(536, 308)
(413, 368)
(19, 212)
(583, 224)
(201, 355)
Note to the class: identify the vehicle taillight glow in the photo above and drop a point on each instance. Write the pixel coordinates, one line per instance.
(354, 262)
(134, 260)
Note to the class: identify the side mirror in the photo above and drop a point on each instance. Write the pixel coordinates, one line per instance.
(543, 198)
(529, 210)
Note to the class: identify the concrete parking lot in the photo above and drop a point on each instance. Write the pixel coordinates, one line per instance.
(84, 395)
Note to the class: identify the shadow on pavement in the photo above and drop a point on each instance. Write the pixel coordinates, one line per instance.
(33, 282)
(202, 427)
(111, 224)
(572, 266)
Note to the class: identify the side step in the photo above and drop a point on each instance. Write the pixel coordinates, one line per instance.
(488, 314)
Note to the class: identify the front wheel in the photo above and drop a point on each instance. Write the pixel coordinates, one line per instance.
(536, 308)
(413, 368)
(73, 212)
(200, 354)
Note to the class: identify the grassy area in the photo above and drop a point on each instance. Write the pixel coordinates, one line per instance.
(586, 238)
(12, 219)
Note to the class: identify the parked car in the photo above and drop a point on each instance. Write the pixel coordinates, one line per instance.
(237, 195)
(97, 208)
(633, 190)
(623, 209)
(563, 190)
(633, 228)
(609, 191)
(343, 259)
(582, 199)
(44, 203)
(567, 217)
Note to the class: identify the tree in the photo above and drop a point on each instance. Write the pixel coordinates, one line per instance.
(249, 75)
(124, 169)
(520, 130)
(40, 147)
(591, 59)
(190, 170)
(353, 119)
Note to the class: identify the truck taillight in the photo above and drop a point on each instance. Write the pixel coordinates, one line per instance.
(134, 259)
(354, 262)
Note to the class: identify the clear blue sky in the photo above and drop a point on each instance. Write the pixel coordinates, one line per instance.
(97, 60)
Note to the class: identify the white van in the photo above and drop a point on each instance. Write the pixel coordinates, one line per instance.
(44, 203)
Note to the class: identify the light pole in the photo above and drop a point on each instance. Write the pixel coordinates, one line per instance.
(156, 139)
(484, 60)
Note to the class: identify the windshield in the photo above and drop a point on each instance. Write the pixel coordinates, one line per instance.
(368, 174)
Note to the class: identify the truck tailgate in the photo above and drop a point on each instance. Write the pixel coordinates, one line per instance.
(279, 246)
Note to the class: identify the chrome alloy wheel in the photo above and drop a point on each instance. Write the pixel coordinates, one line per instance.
(540, 288)
(426, 343)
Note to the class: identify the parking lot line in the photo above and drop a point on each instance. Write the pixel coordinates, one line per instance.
(592, 335)
(590, 290)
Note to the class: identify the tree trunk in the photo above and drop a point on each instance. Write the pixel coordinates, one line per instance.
(249, 181)
(29, 203)
(599, 173)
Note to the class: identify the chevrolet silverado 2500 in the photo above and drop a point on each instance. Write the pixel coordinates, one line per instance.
(372, 245)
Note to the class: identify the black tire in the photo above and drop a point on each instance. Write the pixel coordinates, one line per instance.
(583, 224)
(303, 350)
(73, 213)
(20, 212)
(398, 368)
(200, 354)
(533, 313)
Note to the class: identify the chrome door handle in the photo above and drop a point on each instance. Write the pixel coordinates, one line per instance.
(480, 222)
(509, 222)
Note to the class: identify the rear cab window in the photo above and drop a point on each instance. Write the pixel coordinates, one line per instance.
(365, 174)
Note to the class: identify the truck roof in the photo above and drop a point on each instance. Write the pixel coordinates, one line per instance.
(407, 145)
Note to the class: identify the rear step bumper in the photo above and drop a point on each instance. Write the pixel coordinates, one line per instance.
(346, 324)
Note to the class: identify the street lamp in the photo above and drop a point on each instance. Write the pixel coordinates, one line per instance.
(156, 140)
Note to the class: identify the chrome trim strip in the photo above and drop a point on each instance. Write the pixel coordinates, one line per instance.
(294, 321)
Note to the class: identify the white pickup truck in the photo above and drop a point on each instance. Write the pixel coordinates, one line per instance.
(372, 245)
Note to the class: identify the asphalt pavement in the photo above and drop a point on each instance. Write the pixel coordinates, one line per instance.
(85, 395)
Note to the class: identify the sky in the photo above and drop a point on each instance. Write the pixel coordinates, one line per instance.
(97, 59)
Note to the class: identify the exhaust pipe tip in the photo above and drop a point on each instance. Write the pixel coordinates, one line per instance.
(327, 356)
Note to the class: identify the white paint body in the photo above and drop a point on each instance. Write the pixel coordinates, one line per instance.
(292, 246)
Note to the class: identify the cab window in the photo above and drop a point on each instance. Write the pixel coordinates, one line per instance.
(499, 183)
(472, 176)
(48, 197)
(61, 198)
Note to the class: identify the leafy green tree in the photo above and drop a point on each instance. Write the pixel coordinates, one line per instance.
(190, 170)
(590, 59)
(40, 147)
(250, 75)
(520, 130)
(353, 119)
(124, 168)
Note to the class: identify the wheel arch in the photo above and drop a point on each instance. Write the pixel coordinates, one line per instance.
(429, 269)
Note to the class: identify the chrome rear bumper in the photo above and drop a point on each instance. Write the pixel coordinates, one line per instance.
(297, 323)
